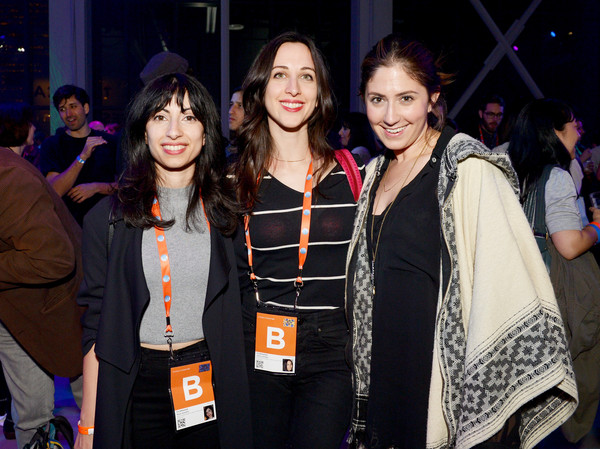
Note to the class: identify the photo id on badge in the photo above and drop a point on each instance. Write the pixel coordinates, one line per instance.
(192, 395)
(275, 349)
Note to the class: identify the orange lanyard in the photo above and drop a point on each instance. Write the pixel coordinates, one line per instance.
(304, 233)
(165, 268)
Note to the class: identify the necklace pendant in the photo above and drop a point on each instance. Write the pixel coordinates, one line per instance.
(373, 276)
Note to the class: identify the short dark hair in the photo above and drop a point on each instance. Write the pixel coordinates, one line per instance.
(138, 185)
(15, 120)
(497, 99)
(418, 62)
(534, 143)
(68, 91)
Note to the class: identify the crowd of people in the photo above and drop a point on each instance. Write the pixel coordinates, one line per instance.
(397, 285)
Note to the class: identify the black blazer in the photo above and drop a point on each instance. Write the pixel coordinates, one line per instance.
(115, 293)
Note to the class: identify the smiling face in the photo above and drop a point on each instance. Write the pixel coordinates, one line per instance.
(175, 138)
(74, 115)
(291, 93)
(397, 107)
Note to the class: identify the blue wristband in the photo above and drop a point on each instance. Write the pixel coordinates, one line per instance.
(80, 160)
(596, 227)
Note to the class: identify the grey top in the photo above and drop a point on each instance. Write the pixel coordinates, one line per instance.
(189, 256)
(562, 213)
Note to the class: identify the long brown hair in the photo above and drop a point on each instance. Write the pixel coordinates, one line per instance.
(254, 139)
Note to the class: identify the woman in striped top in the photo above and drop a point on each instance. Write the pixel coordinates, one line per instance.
(291, 256)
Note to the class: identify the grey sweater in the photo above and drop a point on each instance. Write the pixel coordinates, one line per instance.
(189, 256)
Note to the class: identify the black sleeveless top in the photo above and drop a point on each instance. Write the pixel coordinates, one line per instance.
(407, 279)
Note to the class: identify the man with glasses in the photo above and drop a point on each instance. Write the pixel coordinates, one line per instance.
(491, 111)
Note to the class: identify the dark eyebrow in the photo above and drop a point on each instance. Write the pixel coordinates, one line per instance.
(400, 94)
(287, 68)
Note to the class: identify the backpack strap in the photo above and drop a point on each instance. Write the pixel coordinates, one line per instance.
(535, 210)
(349, 165)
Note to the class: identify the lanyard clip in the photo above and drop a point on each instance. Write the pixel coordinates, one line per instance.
(169, 336)
(255, 285)
(298, 283)
(170, 343)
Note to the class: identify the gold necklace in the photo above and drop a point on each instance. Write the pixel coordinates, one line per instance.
(406, 178)
(285, 160)
(375, 249)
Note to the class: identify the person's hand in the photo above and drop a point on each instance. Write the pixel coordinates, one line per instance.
(595, 214)
(90, 145)
(585, 155)
(82, 192)
(84, 441)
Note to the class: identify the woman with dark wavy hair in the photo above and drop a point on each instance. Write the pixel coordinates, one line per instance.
(163, 319)
(444, 277)
(542, 147)
(544, 138)
(291, 256)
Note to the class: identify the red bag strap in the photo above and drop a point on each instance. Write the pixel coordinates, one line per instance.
(348, 163)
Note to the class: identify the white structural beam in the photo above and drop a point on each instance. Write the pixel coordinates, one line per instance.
(502, 48)
(225, 67)
(70, 48)
(370, 20)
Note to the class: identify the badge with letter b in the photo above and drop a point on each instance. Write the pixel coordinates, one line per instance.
(275, 350)
(192, 394)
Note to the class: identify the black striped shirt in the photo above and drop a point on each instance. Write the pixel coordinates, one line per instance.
(275, 235)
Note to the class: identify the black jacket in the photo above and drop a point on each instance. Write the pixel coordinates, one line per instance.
(113, 317)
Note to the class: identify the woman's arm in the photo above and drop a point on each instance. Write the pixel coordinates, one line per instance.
(563, 219)
(95, 263)
(88, 407)
(573, 243)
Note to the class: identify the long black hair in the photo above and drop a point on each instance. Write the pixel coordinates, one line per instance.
(138, 184)
(534, 143)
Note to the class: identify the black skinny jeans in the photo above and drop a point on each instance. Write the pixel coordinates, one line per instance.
(152, 416)
(312, 409)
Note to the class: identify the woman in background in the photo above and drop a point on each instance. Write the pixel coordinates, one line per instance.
(545, 134)
(542, 148)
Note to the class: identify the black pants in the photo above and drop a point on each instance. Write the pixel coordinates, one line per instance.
(312, 409)
(152, 416)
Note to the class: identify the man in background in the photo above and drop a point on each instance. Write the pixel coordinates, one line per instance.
(491, 112)
(79, 162)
